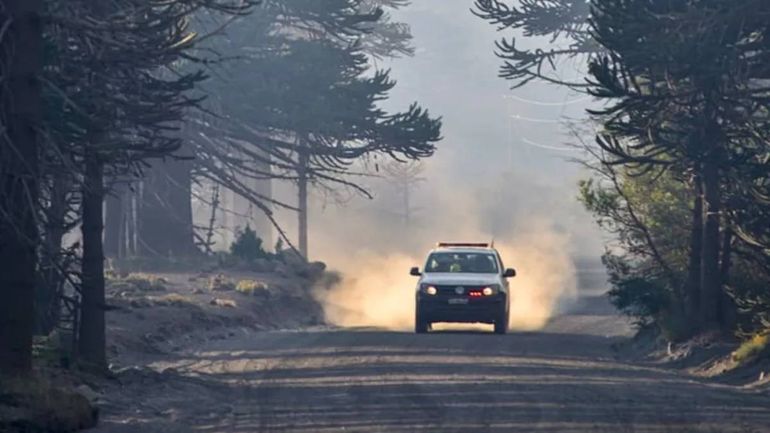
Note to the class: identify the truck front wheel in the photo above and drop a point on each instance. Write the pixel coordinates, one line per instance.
(501, 324)
(420, 325)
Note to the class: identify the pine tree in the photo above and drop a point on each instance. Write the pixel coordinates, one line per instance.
(20, 119)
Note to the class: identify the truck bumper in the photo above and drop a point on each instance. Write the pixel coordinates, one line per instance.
(475, 311)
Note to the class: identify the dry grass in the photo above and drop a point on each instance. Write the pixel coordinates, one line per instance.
(754, 348)
(137, 282)
(171, 300)
(250, 287)
(147, 282)
(226, 303)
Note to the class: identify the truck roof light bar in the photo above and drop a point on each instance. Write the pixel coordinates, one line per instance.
(462, 245)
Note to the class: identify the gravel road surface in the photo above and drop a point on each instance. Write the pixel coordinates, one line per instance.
(565, 378)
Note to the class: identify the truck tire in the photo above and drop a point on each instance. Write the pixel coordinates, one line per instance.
(501, 324)
(420, 325)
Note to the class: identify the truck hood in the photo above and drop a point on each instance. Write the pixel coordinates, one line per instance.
(460, 279)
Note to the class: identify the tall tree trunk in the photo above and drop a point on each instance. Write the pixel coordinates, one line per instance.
(208, 244)
(20, 114)
(711, 279)
(50, 278)
(693, 284)
(728, 312)
(92, 344)
(302, 184)
(165, 215)
(407, 203)
(114, 222)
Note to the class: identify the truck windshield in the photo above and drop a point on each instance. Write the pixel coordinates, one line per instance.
(474, 263)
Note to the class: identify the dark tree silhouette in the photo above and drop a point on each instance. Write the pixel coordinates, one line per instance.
(318, 109)
(563, 22)
(20, 119)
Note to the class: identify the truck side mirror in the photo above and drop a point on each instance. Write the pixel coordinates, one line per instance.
(509, 273)
(415, 272)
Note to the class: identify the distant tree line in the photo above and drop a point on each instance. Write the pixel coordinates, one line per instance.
(681, 156)
(130, 105)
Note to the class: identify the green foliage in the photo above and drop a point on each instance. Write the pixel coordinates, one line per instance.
(642, 297)
(248, 246)
(638, 291)
(685, 128)
(649, 217)
(749, 287)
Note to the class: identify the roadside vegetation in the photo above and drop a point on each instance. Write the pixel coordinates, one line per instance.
(678, 152)
(755, 348)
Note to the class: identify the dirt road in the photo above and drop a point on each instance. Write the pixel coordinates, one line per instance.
(562, 379)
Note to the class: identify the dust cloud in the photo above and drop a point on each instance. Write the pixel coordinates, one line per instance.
(376, 288)
(484, 182)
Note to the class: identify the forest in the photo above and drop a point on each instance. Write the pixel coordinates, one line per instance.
(116, 117)
(677, 147)
(143, 135)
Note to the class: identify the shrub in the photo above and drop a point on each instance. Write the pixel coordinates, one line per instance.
(220, 283)
(171, 300)
(36, 405)
(247, 245)
(146, 282)
(250, 287)
(226, 303)
(757, 346)
(639, 294)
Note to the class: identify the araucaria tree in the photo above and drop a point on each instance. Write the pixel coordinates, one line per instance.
(680, 160)
(318, 109)
(565, 25)
(681, 78)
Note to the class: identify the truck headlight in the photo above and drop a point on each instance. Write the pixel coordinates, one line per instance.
(429, 290)
(490, 290)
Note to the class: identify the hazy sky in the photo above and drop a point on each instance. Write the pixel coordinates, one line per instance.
(455, 74)
(502, 172)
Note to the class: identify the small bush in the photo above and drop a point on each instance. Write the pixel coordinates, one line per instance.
(250, 287)
(642, 295)
(639, 298)
(225, 303)
(35, 405)
(220, 283)
(171, 300)
(756, 347)
(248, 246)
(146, 282)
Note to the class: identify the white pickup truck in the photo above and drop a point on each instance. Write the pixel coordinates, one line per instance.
(463, 282)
